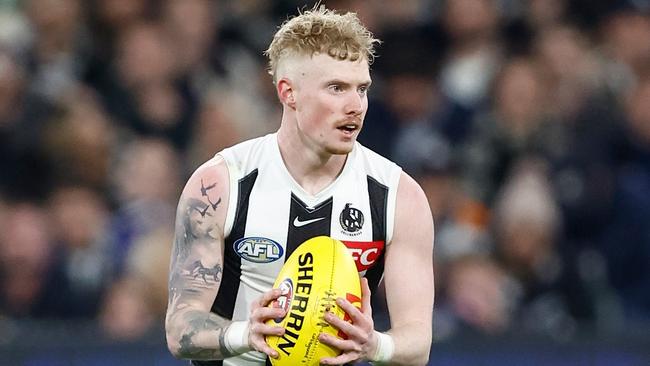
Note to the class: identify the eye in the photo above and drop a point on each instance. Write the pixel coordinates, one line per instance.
(363, 90)
(336, 88)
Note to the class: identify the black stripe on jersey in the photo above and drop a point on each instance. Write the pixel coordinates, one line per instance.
(224, 304)
(306, 223)
(378, 195)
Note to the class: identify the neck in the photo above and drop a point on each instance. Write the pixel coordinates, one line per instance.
(312, 168)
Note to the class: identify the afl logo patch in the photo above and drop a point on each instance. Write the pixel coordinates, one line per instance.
(284, 301)
(258, 250)
(351, 219)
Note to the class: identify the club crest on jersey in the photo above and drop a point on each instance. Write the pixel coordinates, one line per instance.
(258, 249)
(351, 220)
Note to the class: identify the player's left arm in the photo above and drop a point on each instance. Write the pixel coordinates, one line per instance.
(408, 278)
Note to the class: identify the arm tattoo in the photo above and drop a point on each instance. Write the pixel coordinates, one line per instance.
(199, 270)
(195, 274)
(210, 327)
(204, 193)
(194, 226)
(189, 277)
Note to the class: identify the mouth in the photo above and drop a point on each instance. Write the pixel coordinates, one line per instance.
(348, 128)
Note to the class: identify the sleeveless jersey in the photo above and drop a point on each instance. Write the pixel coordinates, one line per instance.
(270, 214)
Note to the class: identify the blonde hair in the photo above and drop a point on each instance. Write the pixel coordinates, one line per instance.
(320, 30)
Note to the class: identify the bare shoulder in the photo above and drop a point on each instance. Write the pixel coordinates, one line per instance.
(413, 219)
(204, 201)
(409, 190)
(210, 176)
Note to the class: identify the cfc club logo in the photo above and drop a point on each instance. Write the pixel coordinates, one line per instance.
(351, 219)
(365, 253)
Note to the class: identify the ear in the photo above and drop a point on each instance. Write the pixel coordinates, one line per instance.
(286, 93)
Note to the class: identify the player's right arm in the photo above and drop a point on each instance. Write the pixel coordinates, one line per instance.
(193, 331)
(196, 268)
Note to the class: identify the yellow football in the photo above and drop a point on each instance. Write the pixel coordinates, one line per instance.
(318, 272)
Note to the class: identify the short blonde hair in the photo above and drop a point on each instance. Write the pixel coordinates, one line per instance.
(320, 30)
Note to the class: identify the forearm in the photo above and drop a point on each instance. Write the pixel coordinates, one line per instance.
(197, 335)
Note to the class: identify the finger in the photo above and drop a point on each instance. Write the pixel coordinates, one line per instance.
(355, 314)
(265, 348)
(269, 296)
(345, 345)
(265, 313)
(349, 329)
(265, 329)
(341, 359)
(365, 297)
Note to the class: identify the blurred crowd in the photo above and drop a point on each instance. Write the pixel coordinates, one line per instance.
(527, 122)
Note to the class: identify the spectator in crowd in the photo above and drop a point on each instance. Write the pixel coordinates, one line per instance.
(149, 98)
(570, 89)
(408, 96)
(461, 221)
(217, 126)
(79, 221)
(474, 50)
(147, 181)
(12, 84)
(126, 314)
(108, 20)
(136, 299)
(585, 141)
(515, 126)
(22, 115)
(627, 239)
(79, 140)
(542, 14)
(57, 57)
(476, 300)
(148, 261)
(28, 264)
(623, 33)
(551, 296)
(192, 29)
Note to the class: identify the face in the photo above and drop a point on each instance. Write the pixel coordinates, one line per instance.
(330, 101)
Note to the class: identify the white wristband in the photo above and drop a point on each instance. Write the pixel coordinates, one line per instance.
(236, 337)
(385, 348)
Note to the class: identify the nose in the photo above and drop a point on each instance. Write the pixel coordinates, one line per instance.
(354, 103)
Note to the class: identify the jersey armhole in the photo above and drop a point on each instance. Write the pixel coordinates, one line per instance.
(392, 203)
(233, 193)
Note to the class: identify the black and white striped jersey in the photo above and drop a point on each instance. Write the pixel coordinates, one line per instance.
(269, 215)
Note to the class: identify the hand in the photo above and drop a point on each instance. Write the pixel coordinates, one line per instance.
(260, 313)
(362, 340)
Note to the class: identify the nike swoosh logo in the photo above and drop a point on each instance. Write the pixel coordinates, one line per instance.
(298, 223)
